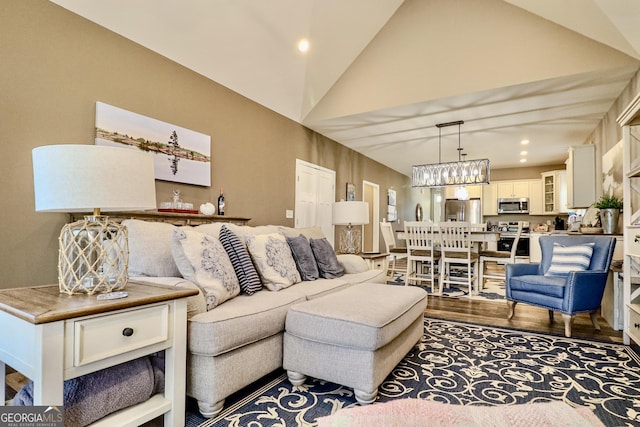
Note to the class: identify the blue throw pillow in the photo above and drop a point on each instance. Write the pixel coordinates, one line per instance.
(303, 256)
(326, 258)
(569, 258)
(241, 261)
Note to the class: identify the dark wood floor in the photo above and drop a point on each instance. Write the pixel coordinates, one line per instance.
(530, 318)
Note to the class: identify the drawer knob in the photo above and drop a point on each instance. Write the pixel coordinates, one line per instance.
(127, 332)
(636, 325)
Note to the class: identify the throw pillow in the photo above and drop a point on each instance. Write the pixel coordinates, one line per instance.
(241, 260)
(150, 249)
(352, 263)
(202, 259)
(272, 257)
(326, 258)
(303, 256)
(569, 258)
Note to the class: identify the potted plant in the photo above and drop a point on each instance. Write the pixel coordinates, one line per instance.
(609, 207)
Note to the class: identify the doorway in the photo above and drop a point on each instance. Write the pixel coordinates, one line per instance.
(371, 231)
(314, 196)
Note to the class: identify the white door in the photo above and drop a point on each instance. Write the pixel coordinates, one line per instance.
(371, 231)
(314, 197)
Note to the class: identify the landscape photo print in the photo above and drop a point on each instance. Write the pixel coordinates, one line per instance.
(180, 155)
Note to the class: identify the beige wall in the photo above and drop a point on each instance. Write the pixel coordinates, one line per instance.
(56, 65)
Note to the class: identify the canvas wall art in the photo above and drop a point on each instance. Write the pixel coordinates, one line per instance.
(180, 155)
(612, 171)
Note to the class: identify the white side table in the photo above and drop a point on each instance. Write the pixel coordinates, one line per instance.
(50, 337)
(375, 261)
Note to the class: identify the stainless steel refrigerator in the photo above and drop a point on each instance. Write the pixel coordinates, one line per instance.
(463, 210)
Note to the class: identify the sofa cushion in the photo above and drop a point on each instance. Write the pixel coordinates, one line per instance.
(239, 322)
(272, 257)
(303, 256)
(569, 258)
(326, 258)
(150, 249)
(388, 311)
(241, 261)
(202, 259)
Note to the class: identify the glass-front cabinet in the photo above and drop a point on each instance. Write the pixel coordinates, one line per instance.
(554, 192)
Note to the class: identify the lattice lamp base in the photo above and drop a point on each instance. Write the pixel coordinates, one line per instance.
(93, 256)
(350, 241)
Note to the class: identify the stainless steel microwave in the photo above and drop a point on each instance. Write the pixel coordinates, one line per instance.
(519, 205)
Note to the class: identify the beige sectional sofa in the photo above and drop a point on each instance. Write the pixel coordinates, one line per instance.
(241, 339)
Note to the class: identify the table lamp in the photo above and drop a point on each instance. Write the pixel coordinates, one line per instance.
(350, 214)
(93, 254)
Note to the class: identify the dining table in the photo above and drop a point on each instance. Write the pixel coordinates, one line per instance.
(479, 238)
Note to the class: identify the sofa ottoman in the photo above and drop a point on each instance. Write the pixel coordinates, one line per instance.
(354, 337)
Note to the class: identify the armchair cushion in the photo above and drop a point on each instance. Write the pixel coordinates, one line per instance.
(569, 258)
(552, 286)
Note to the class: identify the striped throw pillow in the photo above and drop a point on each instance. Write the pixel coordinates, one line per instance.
(569, 258)
(248, 277)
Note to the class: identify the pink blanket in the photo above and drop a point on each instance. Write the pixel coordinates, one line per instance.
(416, 412)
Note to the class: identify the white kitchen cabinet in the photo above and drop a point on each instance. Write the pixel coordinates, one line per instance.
(489, 199)
(512, 189)
(554, 192)
(581, 176)
(630, 122)
(535, 197)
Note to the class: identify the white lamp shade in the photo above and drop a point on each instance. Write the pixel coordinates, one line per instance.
(80, 178)
(354, 213)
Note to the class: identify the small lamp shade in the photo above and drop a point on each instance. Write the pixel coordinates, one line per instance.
(94, 253)
(350, 213)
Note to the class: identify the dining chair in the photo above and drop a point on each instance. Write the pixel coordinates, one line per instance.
(455, 251)
(422, 256)
(395, 253)
(500, 258)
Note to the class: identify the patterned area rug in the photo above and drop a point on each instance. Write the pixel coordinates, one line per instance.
(463, 364)
(494, 290)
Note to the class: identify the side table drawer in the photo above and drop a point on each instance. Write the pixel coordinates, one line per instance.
(106, 336)
(634, 324)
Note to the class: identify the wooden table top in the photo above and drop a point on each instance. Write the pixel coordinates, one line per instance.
(44, 304)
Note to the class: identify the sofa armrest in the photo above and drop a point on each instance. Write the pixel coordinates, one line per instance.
(513, 270)
(584, 290)
(195, 304)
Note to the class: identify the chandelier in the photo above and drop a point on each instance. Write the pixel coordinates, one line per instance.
(462, 172)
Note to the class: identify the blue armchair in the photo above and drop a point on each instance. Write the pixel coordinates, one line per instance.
(569, 292)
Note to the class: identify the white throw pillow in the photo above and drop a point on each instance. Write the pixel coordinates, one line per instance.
(569, 258)
(202, 259)
(353, 263)
(272, 257)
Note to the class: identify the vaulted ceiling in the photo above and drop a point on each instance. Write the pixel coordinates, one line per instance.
(379, 75)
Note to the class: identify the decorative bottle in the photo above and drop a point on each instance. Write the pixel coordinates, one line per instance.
(221, 203)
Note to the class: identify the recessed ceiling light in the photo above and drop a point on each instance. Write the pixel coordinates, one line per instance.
(303, 45)
(524, 142)
(523, 160)
(523, 153)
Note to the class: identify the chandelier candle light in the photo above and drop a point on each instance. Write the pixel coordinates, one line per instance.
(350, 214)
(93, 253)
(462, 172)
